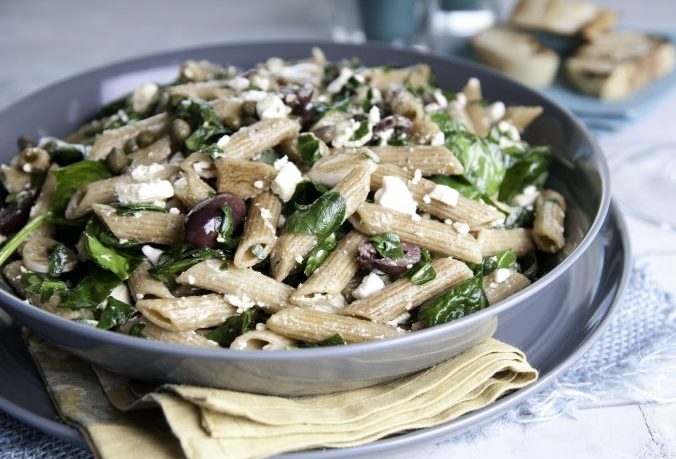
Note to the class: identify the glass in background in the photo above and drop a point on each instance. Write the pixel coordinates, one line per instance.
(399, 22)
(452, 22)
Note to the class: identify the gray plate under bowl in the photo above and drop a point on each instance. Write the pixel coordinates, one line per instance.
(578, 171)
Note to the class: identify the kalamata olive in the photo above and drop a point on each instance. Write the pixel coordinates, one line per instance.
(14, 216)
(300, 101)
(204, 220)
(369, 258)
(399, 124)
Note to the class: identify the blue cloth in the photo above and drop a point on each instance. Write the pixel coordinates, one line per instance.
(599, 116)
(640, 341)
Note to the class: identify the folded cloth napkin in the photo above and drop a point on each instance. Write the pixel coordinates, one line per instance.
(120, 418)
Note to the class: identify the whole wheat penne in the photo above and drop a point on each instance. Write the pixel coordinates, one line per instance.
(201, 164)
(244, 178)
(383, 78)
(190, 338)
(493, 241)
(430, 160)
(143, 226)
(240, 285)
(291, 246)
(475, 214)
(403, 295)
(186, 313)
(157, 152)
(313, 326)
(260, 230)
(406, 104)
(227, 107)
(143, 285)
(332, 275)
(522, 116)
(204, 90)
(432, 235)
(265, 340)
(548, 229)
(98, 192)
(42, 204)
(498, 291)
(107, 140)
(190, 189)
(251, 141)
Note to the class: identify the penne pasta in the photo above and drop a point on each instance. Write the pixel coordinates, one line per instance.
(190, 189)
(430, 160)
(313, 326)
(260, 231)
(265, 340)
(186, 313)
(251, 141)
(199, 163)
(240, 285)
(432, 235)
(494, 241)
(329, 280)
(498, 291)
(401, 296)
(548, 229)
(98, 192)
(108, 140)
(157, 152)
(143, 226)
(189, 338)
(385, 77)
(143, 285)
(246, 179)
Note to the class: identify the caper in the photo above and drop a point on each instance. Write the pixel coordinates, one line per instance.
(116, 161)
(145, 138)
(180, 130)
(232, 122)
(25, 142)
(248, 109)
(130, 146)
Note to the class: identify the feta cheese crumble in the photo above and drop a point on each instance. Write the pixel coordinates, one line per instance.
(502, 275)
(395, 195)
(271, 106)
(129, 193)
(144, 97)
(370, 285)
(337, 84)
(242, 303)
(438, 140)
(223, 142)
(527, 197)
(147, 173)
(286, 180)
(445, 194)
(151, 253)
(461, 228)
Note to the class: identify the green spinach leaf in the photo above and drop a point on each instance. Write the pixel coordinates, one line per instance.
(15, 241)
(92, 289)
(225, 232)
(460, 184)
(39, 284)
(58, 258)
(71, 178)
(235, 326)
(423, 271)
(309, 148)
(120, 262)
(482, 160)
(388, 245)
(116, 313)
(320, 218)
(137, 331)
(529, 167)
(131, 209)
(505, 259)
(335, 340)
(530, 266)
(319, 253)
(520, 217)
(462, 300)
(68, 153)
(177, 259)
(306, 193)
(447, 124)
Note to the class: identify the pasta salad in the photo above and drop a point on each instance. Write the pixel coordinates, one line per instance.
(296, 204)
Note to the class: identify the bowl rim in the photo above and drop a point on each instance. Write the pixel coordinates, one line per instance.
(106, 337)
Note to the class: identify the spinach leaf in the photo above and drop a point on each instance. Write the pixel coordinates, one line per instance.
(71, 178)
(12, 244)
(120, 262)
(423, 271)
(177, 259)
(113, 107)
(335, 340)
(462, 300)
(68, 153)
(447, 124)
(482, 160)
(520, 217)
(306, 192)
(319, 253)
(237, 325)
(202, 135)
(116, 313)
(505, 259)
(137, 330)
(309, 148)
(131, 209)
(460, 184)
(225, 232)
(320, 218)
(529, 167)
(361, 131)
(530, 266)
(92, 289)
(39, 284)
(268, 157)
(204, 121)
(57, 259)
(388, 245)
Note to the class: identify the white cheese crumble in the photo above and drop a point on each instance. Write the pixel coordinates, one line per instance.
(258, 184)
(286, 180)
(445, 194)
(223, 142)
(266, 215)
(395, 195)
(461, 228)
(426, 198)
(417, 176)
(121, 293)
(302, 73)
(144, 97)
(151, 253)
(253, 95)
(345, 130)
(147, 173)
(271, 106)
(239, 83)
(370, 285)
(27, 168)
(502, 275)
(201, 166)
(337, 84)
(281, 162)
(129, 193)
(438, 140)
(439, 98)
(242, 303)
(374, 115)
(174, 210)
(496, 111)
(527, 197)
(298, 258)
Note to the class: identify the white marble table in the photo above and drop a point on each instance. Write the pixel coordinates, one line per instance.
(42, 41)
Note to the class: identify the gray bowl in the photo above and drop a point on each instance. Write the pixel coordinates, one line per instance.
(578, 171)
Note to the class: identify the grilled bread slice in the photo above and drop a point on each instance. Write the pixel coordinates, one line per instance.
(517, 54)
(615, 66)
(564, 17)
